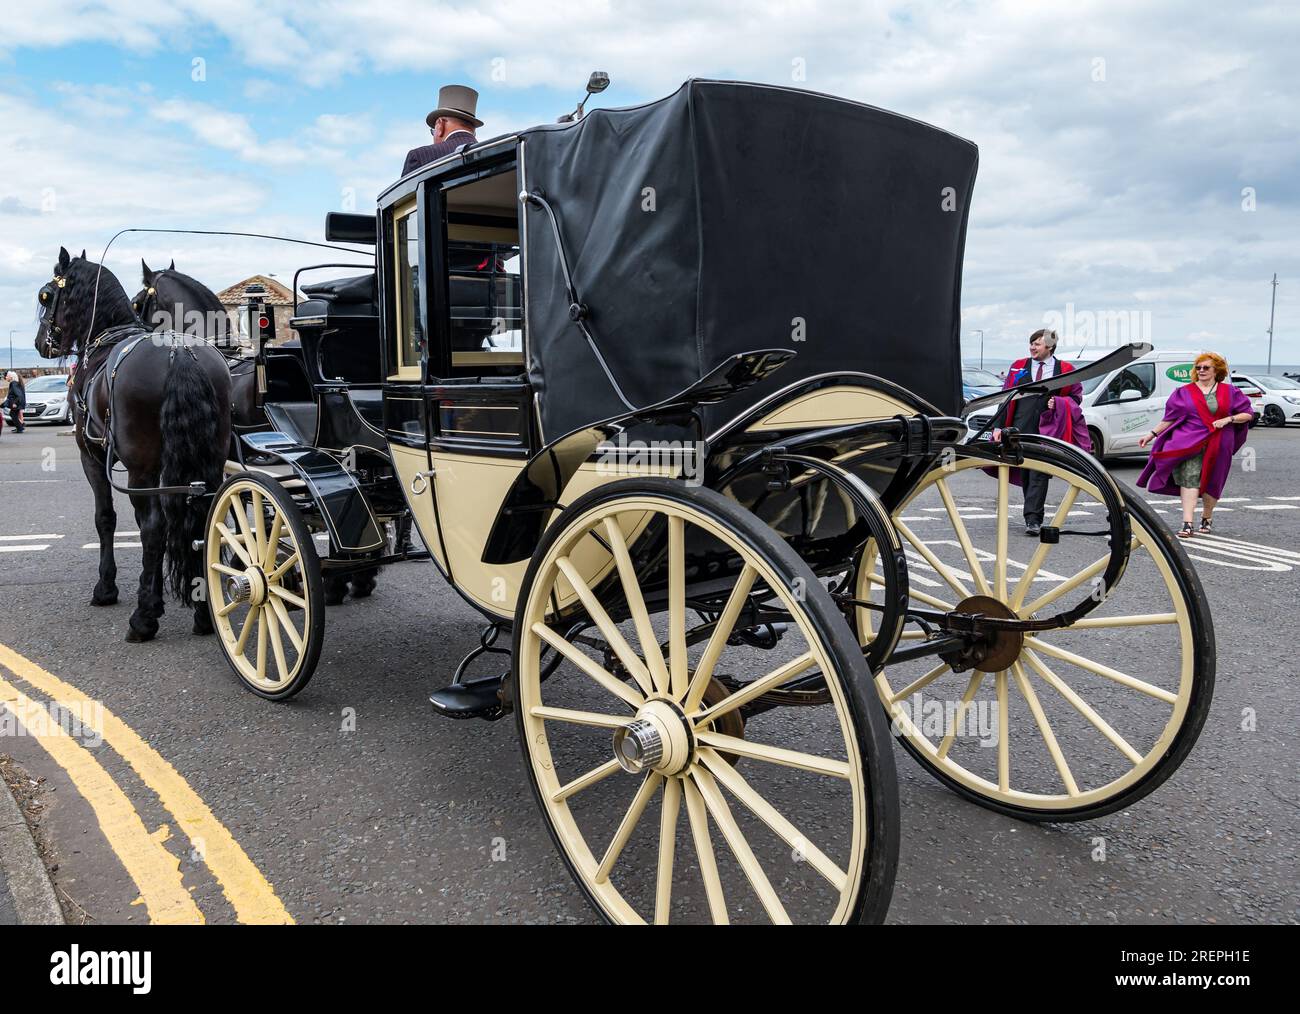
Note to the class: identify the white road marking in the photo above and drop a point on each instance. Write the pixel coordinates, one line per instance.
(1284, 498)
(27, 538)
(24, 549)
(116, 545)
(1254, 555)
(1271, 507)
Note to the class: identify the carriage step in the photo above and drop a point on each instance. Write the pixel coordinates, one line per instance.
(470, 700)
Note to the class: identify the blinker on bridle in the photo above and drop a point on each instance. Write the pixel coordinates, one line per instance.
(50, 296)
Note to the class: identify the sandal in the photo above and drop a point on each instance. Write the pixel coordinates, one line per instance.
(1207, 526)
(1186, 531)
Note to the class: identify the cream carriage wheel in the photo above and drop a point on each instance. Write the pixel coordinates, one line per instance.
(1056, 725)
(264, 583)
(803, 826)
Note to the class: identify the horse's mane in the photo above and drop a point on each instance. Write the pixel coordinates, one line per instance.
(112, 307)
(204, 298)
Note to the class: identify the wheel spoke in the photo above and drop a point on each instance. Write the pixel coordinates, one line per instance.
(593, 776)
(649, 785)
(631, 661)
(259, 526)
(1085, 709)
(288, 596)
(229, 608)
(1136, 620)
(1053, 747)
(1004, 735)
(768, 814)
(940, 567)
(679, 660)
(757, 688)
(241, 522)
(972, 688)
(1040, 553)
(919, 684)
(699, 821)
(920, 596)
(273, 541)
(286, 624)
(645, 631)
(277, 644)
(579, 717)
(718, 639)
(1068, 585)
(667, 846)
(250, 622)
(774, 754)
(232, 540)
(1000, 564)
(589, 666)
(261, 643)
(739, 846)
(963, 537)
(1132, 682)
(281, 570)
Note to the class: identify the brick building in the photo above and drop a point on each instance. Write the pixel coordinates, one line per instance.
(274, 295)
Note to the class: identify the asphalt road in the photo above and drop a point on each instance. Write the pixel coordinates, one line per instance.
(357, 804)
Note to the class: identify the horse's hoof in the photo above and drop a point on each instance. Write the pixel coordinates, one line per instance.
(134, 636)
(203, 627)
(334, 598)
(363, 591)
(104, 598)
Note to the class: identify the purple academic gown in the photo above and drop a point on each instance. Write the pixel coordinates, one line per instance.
(1064, 420)
(1189, 434)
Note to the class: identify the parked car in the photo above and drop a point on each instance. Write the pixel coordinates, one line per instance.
(975, 383)
(1278, 400)
(47, 399)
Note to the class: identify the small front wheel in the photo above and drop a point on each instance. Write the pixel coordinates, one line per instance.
(264, 583)
(717, 677)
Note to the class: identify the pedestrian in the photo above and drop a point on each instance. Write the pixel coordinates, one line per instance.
(1044, 414)
(15, 401)
(1205, 424)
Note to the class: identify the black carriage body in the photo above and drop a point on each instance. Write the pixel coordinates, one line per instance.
(730, 217)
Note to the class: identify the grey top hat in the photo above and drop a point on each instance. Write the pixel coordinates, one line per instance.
(459, 101)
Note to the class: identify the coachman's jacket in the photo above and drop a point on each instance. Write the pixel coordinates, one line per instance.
(417, 157)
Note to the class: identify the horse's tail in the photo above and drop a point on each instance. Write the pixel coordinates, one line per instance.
(190, 422)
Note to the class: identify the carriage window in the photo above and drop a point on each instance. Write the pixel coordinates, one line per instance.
(484, 285)
(406, 257)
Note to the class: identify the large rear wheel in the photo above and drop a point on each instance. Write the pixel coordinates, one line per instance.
(655, 715)
(1056, 725)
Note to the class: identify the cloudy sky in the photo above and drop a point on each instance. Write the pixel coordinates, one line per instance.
(1137, 162)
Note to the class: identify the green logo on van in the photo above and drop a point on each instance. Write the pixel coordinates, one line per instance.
(1181, 373)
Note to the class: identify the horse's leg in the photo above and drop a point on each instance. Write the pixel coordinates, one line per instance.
(336, 588)
(363, 582)
(105, 593)
(153, 530)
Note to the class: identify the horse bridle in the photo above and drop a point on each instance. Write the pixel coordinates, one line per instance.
(50, 297)
(139, 306)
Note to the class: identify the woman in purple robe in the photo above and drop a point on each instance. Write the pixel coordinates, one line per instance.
(1205, 424)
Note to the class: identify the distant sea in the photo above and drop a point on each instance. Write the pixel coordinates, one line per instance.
(999, 365)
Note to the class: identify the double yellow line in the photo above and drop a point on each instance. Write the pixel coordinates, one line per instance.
(155, 870)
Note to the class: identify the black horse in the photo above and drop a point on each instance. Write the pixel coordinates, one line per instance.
(156, 403)
(171, 300)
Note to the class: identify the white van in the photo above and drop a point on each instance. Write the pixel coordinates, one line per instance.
(1120, 406)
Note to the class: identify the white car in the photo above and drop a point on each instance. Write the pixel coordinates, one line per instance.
(1279, 399)
(47, 399)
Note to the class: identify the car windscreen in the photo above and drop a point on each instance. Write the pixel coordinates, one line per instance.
(44, 385)
(979, 378)
(1273, 382)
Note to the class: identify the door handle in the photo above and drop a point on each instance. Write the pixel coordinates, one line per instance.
(420, 482)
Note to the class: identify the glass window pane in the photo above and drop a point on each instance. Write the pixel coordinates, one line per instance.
(411, 337)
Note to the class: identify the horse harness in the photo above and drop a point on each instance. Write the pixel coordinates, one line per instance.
(87, 406)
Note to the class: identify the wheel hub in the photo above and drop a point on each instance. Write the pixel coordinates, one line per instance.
(249, 587)
(997, 649)
(657, 739)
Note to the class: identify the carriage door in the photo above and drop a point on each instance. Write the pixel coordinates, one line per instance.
(478, 400)
(405, 253)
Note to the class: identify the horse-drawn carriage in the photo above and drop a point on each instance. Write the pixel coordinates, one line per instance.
(669, 393)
